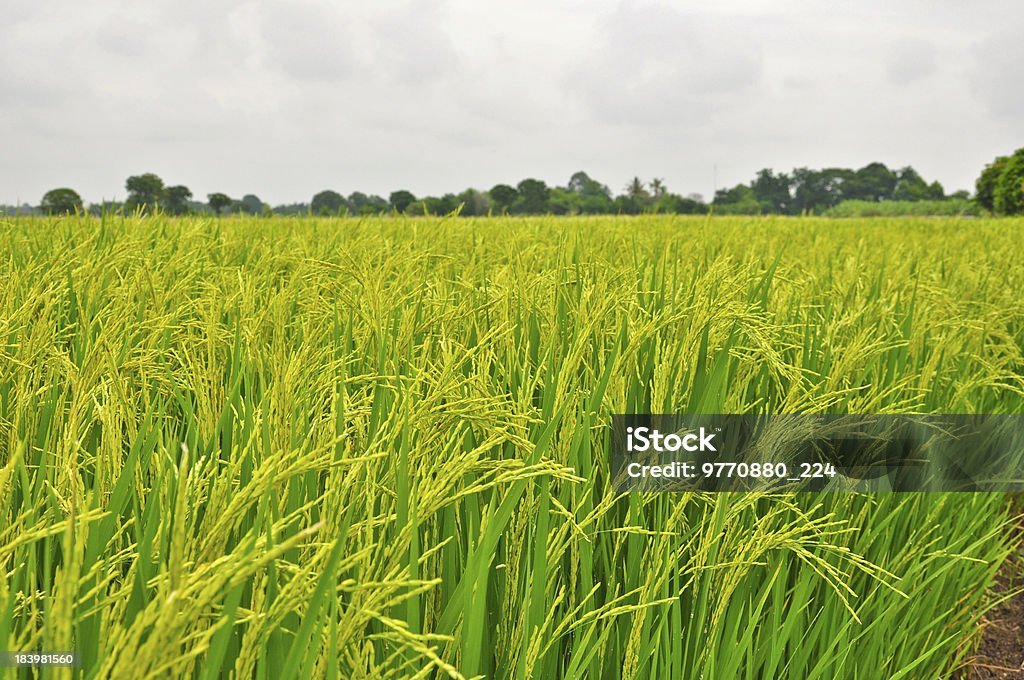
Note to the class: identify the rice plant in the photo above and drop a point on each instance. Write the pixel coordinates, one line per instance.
(294, 448)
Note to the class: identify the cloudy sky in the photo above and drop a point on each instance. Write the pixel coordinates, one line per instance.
(283, 99)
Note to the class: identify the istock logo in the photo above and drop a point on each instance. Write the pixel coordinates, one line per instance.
(645, 439)
(862, 453)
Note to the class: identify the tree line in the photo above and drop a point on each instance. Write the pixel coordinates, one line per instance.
(814, 191)
(999, 189)
(147, 193)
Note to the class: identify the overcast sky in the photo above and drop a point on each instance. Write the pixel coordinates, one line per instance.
(282, 99)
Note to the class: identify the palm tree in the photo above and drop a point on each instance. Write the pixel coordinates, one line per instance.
(635, 189)
(658, 187)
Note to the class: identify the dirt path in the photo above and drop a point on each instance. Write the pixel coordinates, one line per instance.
(1001, 652)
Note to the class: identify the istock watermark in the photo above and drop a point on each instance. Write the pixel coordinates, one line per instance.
(818, 452)
(642, 439)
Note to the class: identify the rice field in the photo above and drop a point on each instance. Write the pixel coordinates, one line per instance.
(293, 448)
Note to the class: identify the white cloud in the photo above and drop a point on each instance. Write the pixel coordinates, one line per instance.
(309, 41)
(998, 76)
(655, 66)
(282, 99)
(910, 61)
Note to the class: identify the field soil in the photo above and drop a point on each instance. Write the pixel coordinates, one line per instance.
(1001, 653)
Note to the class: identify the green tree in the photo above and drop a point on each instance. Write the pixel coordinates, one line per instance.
(176, 199)
(772, 191)
(673, 203)
(62, 201)
(563, 202)
(873, 182)
(592, 197)
(637, 191)
(627, 205)
(1008, 196)
(106, 208)
(985, 187)
(374, 205)
(251, 205)
(910, 186)
(145, 192)
(658, 188)
(400, 200)
(816, 191)
(219, 202)
(445, 205)
(533, 196)
(419, 206)
(580, 183)
(474, 202)
(503, 196)
(433, 205)
(291, 209)
(739, 200)
(328, 202)
(357, 200)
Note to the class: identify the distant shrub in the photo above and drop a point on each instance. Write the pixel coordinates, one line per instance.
(950, 207)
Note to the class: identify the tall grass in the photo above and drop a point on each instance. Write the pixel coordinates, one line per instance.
(948, 207)
(379, 448)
